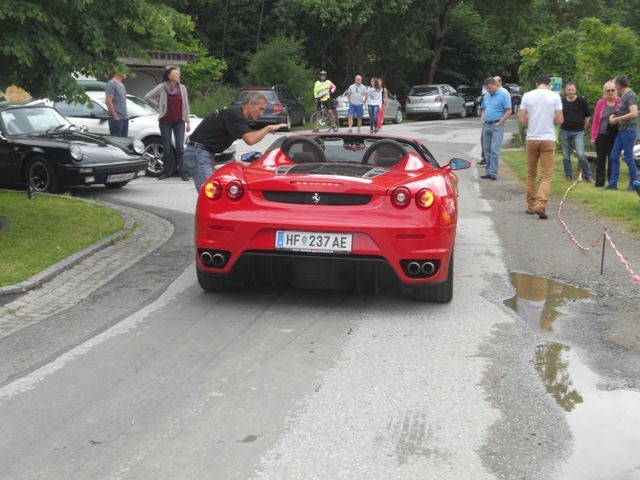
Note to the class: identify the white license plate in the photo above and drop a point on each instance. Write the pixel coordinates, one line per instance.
(313, 241)
(120, 177)
(468, 104)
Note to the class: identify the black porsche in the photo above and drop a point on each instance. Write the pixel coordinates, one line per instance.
(40, 148)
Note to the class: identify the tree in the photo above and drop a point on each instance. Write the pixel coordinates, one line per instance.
(279, 61)
(42, 44)
(589, 56)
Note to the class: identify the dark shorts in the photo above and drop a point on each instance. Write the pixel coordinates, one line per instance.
(328, 104)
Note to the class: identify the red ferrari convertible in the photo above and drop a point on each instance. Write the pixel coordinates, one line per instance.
(331, 211)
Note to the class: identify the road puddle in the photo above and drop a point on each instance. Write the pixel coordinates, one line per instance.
(604, 423)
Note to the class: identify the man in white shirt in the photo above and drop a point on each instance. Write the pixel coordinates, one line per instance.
(539, 110)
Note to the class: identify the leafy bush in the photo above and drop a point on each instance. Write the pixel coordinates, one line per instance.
(203, 75)
(281, 61)
(217, 96)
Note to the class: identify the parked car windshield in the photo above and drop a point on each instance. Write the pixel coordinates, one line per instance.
(138, 102)
(136, 107)
(423, 91)
(20, 121)
(270, 95)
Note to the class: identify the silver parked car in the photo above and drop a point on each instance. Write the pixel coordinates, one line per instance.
(393, 112)
(439, 100)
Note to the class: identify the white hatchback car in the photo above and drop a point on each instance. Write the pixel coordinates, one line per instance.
(143, 125)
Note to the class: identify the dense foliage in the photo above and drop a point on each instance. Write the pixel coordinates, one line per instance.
(286, 41)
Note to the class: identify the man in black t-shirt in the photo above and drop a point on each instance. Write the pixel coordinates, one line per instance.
(576, 119)
(219, 130)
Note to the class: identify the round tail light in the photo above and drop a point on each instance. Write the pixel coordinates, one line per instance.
(212, 190)
(425, 198)
(401, 197)
(235, 190)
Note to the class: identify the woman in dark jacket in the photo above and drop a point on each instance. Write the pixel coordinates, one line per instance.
(171, 99)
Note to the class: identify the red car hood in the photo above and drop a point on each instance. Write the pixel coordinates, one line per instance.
(327, 177)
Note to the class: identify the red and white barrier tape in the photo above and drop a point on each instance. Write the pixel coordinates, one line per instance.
(634, 275)
(572, 237)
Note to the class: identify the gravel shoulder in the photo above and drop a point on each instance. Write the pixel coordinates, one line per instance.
(604, 329)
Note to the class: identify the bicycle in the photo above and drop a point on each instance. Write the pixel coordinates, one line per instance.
(322, 120)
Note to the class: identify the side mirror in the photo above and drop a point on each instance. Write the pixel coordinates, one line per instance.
(250, 156)
(459, 164)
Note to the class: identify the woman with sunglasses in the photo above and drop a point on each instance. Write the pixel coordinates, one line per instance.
(603, 133)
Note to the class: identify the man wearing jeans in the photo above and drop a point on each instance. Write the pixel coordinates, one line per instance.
(576, 113)
(217, 132)
(539, 110)
(625, 119)
(496, 108)
(116, 100)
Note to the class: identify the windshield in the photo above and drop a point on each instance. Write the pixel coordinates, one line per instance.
(139, 106)
(270, 95)
(136, 107)
(423, 91)
(20, 121)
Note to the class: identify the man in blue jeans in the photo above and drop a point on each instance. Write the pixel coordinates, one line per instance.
(496, 108)
(625, 119)
(576, 113)
(116, 100)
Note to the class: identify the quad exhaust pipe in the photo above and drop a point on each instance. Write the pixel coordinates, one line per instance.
(212, 259)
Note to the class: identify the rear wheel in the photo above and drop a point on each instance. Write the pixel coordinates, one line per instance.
(155, 150)
(211, 282)
(463, 114)
(41, 177)
(445, 113)
(477, 110)
(438, 293)
(398, 116)
(321, 120)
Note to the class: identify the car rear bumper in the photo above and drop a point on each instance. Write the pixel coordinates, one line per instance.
(423, 108)
(376, 240)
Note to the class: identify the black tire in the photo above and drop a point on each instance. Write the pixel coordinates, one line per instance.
(463, 114)
(116, 184)
(211, 282)
(41, 177)
(398, 116)
(445, 113)
(322, 120)
(153, 146)
(514, 108)
(288, 122)
(438, 293)
(477, 110)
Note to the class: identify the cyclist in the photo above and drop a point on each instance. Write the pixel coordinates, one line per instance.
(322, 91)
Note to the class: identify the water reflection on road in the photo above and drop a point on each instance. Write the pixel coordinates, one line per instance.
(605, 424)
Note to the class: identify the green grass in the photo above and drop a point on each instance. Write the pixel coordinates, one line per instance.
(40, 232)
(618, 205)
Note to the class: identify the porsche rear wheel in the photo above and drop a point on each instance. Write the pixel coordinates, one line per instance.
(211, 282)
(438, 293)
(41, 177)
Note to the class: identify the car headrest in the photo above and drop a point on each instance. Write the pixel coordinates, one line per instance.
(384, 153)
(304, 157)
(305, 149)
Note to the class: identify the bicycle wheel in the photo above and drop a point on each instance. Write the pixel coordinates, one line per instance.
(321, 120)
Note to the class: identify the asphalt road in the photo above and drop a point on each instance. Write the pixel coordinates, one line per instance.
(295, 384)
